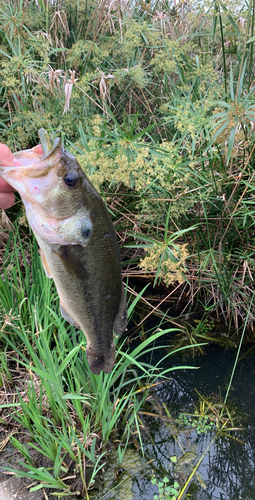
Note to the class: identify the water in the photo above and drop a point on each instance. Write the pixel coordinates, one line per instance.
(227, 469)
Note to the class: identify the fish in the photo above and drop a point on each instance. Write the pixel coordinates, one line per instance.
(77, 243)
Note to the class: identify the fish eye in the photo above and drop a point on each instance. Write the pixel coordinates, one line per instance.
(71, 179)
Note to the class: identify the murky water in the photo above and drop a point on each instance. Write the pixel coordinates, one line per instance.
(227, 469)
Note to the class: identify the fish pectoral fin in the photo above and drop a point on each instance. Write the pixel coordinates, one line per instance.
(67, 317)
(45, 264)
(70, 258)
(120, 320)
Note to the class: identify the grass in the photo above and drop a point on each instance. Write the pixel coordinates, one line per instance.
(68, 413)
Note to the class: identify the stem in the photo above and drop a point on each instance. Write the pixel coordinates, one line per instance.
(223, 52)
(251, 56)
(186, 485)
(244, 47)
(238, 351)
(47, 16)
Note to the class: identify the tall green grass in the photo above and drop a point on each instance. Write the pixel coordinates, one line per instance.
(69, 413)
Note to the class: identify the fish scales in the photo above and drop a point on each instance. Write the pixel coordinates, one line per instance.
(78, 245)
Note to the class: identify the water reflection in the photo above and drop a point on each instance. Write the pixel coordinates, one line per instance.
(227, 470)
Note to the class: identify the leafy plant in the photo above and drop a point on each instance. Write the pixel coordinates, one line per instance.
(165, 490)
(160, 113)
(202, 424)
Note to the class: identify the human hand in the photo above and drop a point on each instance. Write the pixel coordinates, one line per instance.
(7, 197)
(7, 159)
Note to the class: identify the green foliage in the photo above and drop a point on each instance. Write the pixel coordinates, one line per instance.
(161, 118)
(166, 491)
(67, 411)
(201, 424)
(161, 108)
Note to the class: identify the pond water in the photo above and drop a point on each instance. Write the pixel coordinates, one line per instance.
(227, 469)
(172, 450)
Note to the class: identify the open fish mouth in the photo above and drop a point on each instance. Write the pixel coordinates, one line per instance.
(34, 162)
(34, 170)
(32, 156)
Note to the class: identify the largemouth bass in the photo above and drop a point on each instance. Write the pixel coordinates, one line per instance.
(78, 244)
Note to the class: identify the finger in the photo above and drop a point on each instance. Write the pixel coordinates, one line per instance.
(6, 156)
(6, 200)
(16, 162)
(4, 187)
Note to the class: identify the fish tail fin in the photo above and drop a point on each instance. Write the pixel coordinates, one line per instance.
(99, 362)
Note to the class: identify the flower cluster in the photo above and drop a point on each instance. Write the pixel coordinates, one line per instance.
(168, 262)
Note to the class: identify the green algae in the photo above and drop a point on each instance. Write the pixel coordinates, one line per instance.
(118, 479)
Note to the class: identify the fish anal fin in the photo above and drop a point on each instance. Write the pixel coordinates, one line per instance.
(45, 264)
(120, 320)
(67, 316)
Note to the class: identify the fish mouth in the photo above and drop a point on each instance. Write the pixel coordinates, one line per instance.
(33, 160)
(29, 157)
(32, 164)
